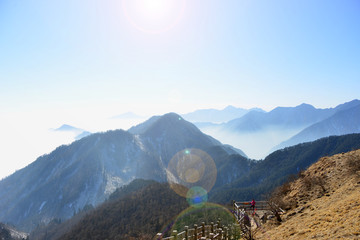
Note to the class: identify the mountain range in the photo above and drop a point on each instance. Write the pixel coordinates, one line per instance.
(344, 121)
(259, 133)
(218, 116)
(87, 171)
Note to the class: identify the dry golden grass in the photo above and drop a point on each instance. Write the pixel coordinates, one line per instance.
(328, 208)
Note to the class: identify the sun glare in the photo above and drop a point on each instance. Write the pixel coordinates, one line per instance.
(153, 16)
(156, 7)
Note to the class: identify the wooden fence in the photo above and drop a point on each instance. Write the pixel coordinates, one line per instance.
(206, 232)
(242, 228)
(260, 205)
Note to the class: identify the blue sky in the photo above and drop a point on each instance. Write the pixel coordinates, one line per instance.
(82, 61)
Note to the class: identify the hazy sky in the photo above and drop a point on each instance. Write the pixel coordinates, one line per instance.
(83, 61)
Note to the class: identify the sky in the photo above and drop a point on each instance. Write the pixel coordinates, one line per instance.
(80, 62)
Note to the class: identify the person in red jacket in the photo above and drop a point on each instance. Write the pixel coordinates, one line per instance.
(252, 205)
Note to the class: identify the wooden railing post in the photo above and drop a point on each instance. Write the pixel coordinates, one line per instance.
(226, 231)
(219, 223)
(195, 231)
(158, 236)
(212, 227)
(212, 236)
(186, 233)
(264, 218)
(174, 233)
(203, 229)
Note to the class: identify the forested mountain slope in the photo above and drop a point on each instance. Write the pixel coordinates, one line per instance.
(269, 173)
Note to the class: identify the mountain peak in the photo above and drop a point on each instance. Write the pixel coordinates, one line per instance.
(306, 105)
(145, 126)
(170, 122)
(172, 116)
(66, 127)
(230, 107)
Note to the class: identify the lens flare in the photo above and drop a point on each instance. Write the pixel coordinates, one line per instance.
(197, 197)
(191, 169)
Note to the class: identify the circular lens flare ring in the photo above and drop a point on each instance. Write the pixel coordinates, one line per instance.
(191, 168)
(197, 196)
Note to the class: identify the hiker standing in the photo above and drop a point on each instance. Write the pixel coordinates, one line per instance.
(252, 205)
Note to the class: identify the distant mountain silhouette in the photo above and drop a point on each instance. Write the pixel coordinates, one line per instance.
(257, 133)
(218, 116)
(341, 123)
(286, 117)
(80, 133)
(87, 171)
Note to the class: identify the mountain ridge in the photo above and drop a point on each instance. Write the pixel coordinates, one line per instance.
(258, 133)
(218, 116)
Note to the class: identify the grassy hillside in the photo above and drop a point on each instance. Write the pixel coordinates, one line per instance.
(323, 203)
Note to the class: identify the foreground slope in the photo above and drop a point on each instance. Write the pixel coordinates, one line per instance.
(324, 203)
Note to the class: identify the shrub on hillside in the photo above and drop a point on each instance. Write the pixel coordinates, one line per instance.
(353, 164)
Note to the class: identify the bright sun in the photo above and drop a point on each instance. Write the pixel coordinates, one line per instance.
(153, 16)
